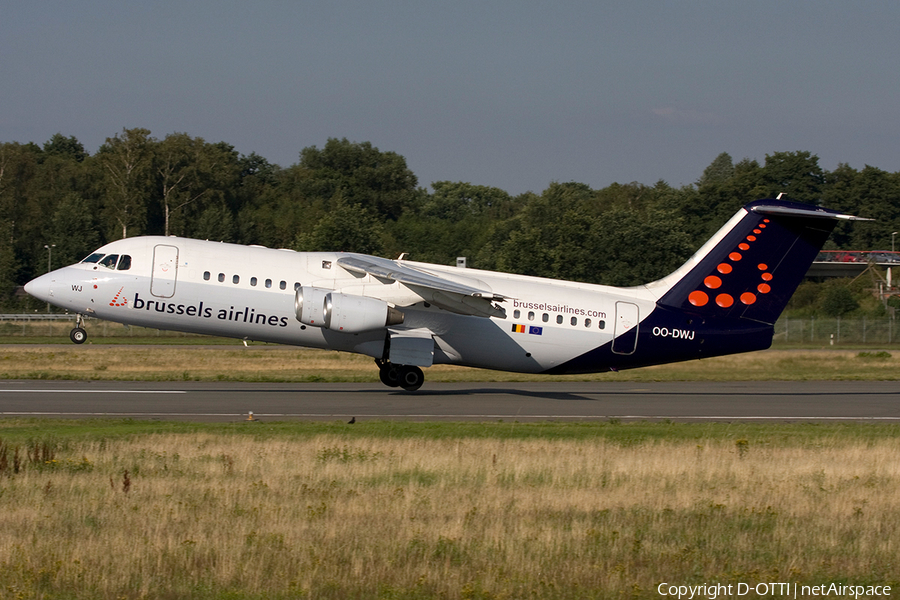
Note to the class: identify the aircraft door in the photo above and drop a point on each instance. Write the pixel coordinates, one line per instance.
(626, 328)
(165, 270)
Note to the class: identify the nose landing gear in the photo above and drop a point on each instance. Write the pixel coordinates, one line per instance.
(408, 377)
(78, 335)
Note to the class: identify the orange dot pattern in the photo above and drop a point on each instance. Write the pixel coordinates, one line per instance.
(119, 300)
(714, 282)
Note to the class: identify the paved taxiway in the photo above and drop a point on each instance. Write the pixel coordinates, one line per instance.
(683, 401)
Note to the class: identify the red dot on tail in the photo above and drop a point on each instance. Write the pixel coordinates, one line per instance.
(698, 298)
(712, 282)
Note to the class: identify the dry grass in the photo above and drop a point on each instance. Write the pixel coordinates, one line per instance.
(337, 517)
(280, 363)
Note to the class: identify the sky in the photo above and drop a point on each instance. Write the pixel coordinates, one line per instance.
(513, 94)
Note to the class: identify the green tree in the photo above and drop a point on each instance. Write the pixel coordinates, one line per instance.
(876, 195)
(362, 174)
(720, 170)
(191, 175)
(126, 162)
(215, 223)
(19, 165)
(717, 199)
(66, 147)
(452, 221)
(345, 228)
(838, 193)
(73, 229)
(636, 248)
(796, 174)
(8, 264)
(837, 299)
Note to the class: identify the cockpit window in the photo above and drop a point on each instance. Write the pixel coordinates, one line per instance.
(110, 261)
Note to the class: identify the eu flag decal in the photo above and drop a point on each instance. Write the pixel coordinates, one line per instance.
(535, 330)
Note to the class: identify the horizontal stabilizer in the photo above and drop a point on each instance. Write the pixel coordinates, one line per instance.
(814, 212)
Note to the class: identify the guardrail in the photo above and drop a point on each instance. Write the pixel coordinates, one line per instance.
(36, 317)
(788, 331)
(59, 325)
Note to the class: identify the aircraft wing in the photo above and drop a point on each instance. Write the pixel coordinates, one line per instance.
(449, 295)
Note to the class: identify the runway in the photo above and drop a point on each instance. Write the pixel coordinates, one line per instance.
(762, 401)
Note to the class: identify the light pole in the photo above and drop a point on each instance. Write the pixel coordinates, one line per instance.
(49, 254)
(892, 240)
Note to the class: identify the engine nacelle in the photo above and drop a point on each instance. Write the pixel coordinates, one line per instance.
(309, 305)
(347, 313)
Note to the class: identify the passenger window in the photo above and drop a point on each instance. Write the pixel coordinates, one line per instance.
(124, 263)
(517, 313)
(545, 318)
(268, 283)
(574, 321)
(559, 319)
(531, 315)
(253, 281)
(282, 285)
(221, 277)
(109, 261)
(297, 285)
(205, 275)
(601, 324)
(587, 322)
(236, 279)
(95, 257)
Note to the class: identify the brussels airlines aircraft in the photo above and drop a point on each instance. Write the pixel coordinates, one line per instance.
(406, 315)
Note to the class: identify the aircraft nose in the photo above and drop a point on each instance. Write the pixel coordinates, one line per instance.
(41, 287)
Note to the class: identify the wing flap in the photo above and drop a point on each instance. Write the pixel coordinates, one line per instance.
(450, 295)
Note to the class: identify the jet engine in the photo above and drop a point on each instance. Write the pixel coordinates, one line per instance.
(347, 313)
(309, 305)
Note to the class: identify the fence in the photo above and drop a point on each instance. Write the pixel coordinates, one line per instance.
(821, 331)
(836, 331)
(51, 325)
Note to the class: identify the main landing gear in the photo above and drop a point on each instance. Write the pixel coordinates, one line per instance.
(78, 335)
(408, 377)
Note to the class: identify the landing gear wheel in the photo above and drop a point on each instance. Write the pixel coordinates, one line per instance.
(411, 378)
(78, 335)
(390, 375)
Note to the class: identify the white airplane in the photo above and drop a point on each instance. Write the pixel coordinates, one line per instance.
(406, 315)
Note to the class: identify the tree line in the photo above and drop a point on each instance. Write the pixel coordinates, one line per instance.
(351, 196)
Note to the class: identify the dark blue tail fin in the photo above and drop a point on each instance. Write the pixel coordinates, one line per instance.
(752, 266)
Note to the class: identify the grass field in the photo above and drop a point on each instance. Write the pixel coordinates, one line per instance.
(120, 509)
(126, 509)
(281, 363)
